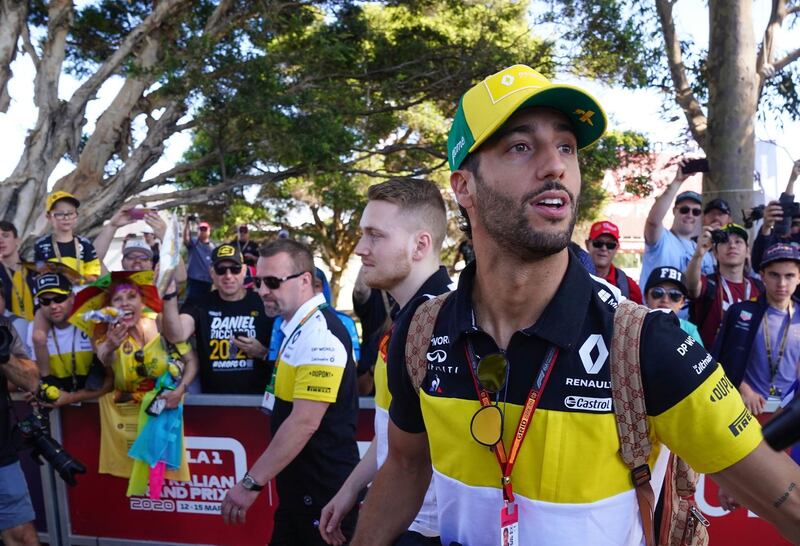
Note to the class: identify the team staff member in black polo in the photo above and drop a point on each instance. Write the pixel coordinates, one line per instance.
(313, 447)
(513, 155)
(231, 328)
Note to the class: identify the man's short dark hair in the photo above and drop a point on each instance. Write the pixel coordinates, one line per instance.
(415, 196)
(8, 226)
(299, 253)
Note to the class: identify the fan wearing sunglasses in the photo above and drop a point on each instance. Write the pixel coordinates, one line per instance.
(314, 401)
(665, 289)
(675, 246)
(231, 328)
(603, 245)
(70, 352)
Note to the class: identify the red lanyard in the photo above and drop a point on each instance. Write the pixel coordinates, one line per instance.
(506, 462)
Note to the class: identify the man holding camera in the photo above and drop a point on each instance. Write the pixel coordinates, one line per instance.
(713, 294)
(227, 325)
(16, 510)
(759, 341)
(777, 226)
(673, 247)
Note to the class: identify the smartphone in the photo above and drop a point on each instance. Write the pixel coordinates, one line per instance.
(157, 405)
(138, 213)
(696, 166)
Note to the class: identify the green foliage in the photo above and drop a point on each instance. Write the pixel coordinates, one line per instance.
(625, 150)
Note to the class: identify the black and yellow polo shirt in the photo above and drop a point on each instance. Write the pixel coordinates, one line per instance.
(569, 480)
(316, 363)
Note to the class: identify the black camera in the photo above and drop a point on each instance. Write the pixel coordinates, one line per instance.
(192, 218)
(5, 344)
(784, 429)
(756, 213)
(719, 236)
(34, 431)
(790, 209)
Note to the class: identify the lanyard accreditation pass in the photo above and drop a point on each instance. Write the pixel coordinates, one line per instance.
(509, 516)
(773, 366)
(268, 402)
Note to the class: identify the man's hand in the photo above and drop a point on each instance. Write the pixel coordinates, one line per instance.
(333, 514)
(121, 217)
(681, 176)
(250, 257)
(158, 225)
(250, 346)
(704, 241)
(773, 213)
(236, 502)
(795, 171)
(752, 400)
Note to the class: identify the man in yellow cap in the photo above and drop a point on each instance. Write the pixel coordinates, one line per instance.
(529, 329)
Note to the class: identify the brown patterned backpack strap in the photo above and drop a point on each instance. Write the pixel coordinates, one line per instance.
(419, 338)
(629, 407)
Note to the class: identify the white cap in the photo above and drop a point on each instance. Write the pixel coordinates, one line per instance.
(137, 245)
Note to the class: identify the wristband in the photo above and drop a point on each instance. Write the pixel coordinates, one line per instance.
(171, 295)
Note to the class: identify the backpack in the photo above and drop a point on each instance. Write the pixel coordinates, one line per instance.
(682, 523)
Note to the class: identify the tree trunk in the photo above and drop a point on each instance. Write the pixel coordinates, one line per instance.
(12, 18)
(732, 85)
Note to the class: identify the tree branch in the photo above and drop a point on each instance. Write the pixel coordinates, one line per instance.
(27, 46)
(88, 89)
(13, 18)
(204, 194)
(683, 92)
(766, 49)
(788, 59)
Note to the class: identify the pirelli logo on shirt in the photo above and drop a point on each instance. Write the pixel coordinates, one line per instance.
(741, 422)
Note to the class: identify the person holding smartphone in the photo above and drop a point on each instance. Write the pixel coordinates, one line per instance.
(674, 247)
(231, 328)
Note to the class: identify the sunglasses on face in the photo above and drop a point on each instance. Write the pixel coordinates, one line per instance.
(686, 210)
(203, 228)
(222, 269)
(61, 298)
(658, 292)
(486, 426)
(610, 245)
(273, 283)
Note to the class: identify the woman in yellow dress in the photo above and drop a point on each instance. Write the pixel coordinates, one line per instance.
(133, 349)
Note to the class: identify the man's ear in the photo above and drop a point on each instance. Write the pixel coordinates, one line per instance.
(462, 183)
(422, 245)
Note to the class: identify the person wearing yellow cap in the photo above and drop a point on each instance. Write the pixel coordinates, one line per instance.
(63, 246)
(510, 407)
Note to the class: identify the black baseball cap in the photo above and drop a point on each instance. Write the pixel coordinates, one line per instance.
(54, 283)
(719, 204)
(228, 253)
(780, 252)
(666, 274)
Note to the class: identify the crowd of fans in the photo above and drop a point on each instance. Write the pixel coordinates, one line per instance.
(234, 311)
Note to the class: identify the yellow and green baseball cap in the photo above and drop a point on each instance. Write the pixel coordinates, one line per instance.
(487, 105)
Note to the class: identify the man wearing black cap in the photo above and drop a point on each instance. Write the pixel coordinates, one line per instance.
(713, 294)
(673, 247)
(231, 328)
(759, 341)
(70, 353)
(717, 213)
(665, 289)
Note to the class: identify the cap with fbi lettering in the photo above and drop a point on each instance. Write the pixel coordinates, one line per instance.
(485, 107)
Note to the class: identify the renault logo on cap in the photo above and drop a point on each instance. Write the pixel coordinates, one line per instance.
(226, 250)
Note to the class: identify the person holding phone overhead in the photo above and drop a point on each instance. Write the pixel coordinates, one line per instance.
(674, 247)
(231, 329)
